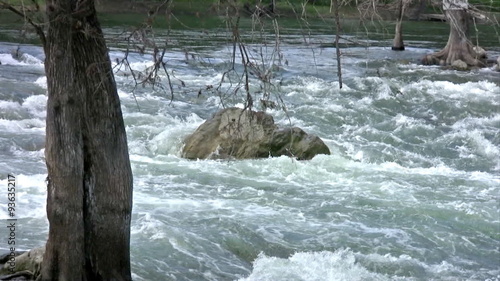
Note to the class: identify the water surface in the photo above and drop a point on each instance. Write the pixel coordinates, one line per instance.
(410, 191)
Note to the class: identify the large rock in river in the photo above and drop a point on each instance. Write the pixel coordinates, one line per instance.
(242, 134)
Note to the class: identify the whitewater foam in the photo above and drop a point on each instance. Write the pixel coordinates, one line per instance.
(24, 59)
(312, 266)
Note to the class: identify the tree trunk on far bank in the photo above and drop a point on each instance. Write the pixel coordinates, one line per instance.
(89, 197)
(397, 44)
(459, 46)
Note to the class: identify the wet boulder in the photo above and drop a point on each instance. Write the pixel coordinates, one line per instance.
(234, 133)
(459, 65)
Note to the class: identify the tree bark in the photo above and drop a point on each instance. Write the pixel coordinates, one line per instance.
(459, 46)
(89, 197)
(398, 44)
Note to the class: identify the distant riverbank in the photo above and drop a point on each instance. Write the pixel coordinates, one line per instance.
(210, 8)
(295, 9)
(204, 8)
(196, 14)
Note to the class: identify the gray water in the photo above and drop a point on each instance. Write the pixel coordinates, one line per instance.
(410, 192)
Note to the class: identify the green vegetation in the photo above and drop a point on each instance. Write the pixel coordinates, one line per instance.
(486, 5)
(204, 10)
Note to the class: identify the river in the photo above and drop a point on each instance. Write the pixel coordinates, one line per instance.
(410, 192)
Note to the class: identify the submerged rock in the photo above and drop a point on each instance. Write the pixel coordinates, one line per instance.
(480, 52)
(459, 65)
(243, 134)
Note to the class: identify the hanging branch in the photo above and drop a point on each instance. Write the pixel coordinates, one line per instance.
(143, 40)
(245, 61)
(337, 38)
(235, 43)
(24, 15)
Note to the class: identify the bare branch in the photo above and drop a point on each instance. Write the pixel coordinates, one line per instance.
(38, 28)
(337, 38)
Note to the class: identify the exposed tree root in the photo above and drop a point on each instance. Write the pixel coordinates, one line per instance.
(459, 46)
(463, 51)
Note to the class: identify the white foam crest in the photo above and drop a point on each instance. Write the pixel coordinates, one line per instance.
(379, 87)
(483, 146)
(311, 266)
(310, 87)
(486, 177)
(316, 85)
(471, 122)
(36, 105)
(260, 211)
(403, 121)
(413, 66)
(201, 81)
(475, 143)
(144, 159)
(142, 97)
(291, 121)
(122, 94)
(400, 235)
(42, 82)
(332, 107)
(31, 60)
(439, 170)
(9, 105)
(398, 263)
(30, 113)
(390, 260)
(446, 268)
(24, 59)
(460, 91)
(31, 125)
(30, 194)
(141, 66)
(165, 134)
(214, 101)
(169, 141)
(149, 226)
(33, 151)
(461, 206)
(7, 59)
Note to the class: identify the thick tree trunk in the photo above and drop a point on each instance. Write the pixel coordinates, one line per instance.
(459, 46)
(89, 198)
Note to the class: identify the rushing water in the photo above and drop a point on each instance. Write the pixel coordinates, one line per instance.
(410, 192)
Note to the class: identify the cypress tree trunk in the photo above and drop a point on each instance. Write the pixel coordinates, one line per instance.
(397, 44)
(459, 46)
(89, 198)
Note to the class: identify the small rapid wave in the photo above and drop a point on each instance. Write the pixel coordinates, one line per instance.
(20, 59)
(313, 266)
